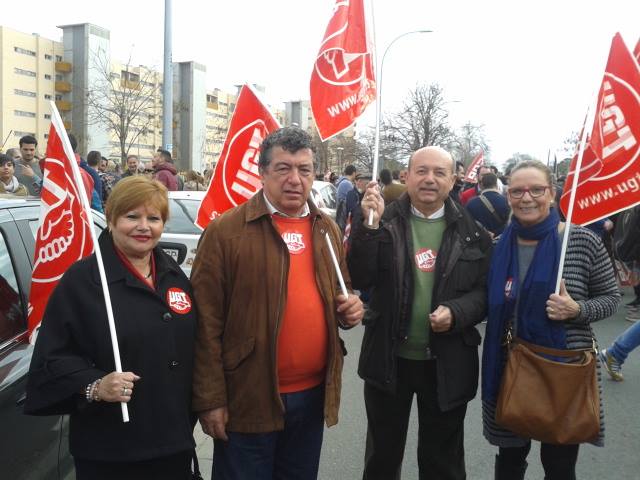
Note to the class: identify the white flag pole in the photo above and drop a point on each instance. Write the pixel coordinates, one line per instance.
(343, 287)
(572, 198)
(57, 121)
(376, 145)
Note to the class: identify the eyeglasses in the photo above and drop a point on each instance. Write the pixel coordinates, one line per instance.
(535, 192)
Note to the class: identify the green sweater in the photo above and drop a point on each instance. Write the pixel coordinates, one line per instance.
(427, 236)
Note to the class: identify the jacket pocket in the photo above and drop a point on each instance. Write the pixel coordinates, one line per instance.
(233, 357)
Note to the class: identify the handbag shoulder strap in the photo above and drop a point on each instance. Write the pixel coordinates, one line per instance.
(489, 206)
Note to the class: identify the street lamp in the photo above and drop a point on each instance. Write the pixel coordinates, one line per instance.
(339, 150)
(376, 150)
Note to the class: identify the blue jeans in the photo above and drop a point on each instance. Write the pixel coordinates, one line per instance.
(290, 454)
(625, 343)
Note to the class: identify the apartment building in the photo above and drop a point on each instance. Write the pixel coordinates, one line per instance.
(32, 73)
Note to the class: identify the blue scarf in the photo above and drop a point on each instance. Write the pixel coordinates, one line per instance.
(532, 295)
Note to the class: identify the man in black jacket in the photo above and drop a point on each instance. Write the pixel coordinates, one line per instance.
(426, 261)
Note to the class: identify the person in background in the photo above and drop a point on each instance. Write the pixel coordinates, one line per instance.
(490, 209)
(91, 167)
(132, 166)
(459, 183)
(522, 280)
(87, 179)
(8, 182)
(72, 369)
(471, 192)
(403, 176)
(164, 171)
(345, 183)
(391, 191)
(109, 179)
(425, 261)
(28, 170)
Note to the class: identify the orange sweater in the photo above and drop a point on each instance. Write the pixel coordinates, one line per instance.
(302, 342)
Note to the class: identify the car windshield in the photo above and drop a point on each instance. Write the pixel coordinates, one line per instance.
(182, 214)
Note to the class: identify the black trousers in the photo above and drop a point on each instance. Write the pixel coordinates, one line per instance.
(440, 434)
(171, 467)
(558, 461)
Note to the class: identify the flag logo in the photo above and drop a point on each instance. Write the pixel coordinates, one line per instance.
(294, 241)
(178, 301)
(426, 259)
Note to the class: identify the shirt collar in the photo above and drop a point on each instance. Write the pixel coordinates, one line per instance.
(434, 216)
(274, 211)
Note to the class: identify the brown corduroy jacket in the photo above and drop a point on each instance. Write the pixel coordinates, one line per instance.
(239, 278)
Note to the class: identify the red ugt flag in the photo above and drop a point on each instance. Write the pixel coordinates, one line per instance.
(236, 178)
(64, 234)
(342, 82)
(472, 170)
(610, 177)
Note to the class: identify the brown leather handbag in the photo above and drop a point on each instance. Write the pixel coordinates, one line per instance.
(548, 400)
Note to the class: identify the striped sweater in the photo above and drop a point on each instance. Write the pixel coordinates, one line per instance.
(591, 282)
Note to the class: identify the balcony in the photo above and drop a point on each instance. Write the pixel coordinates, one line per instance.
(63, 67)
(130, 84)
(63, 105)
(62, 86)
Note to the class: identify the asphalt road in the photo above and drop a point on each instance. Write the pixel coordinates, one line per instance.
(343, 448)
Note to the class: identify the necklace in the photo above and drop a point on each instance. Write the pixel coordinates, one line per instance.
(149, 275)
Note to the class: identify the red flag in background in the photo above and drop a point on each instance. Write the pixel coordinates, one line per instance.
(236, 178)
(343, 81)
(609, 178)
(64, 234)
(472, 170)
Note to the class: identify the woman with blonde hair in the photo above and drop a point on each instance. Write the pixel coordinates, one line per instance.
(73, 372)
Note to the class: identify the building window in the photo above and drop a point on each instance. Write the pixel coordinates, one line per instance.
(58, 78)
(24, 93)
(130, 76)
(46, 135)
(22, 113)
(58, 58)
(48, 57)
(20, 71)
(17, 133)
(47, 76)
(23, 51)
(47, 116)
(58, 97)
(47, 96)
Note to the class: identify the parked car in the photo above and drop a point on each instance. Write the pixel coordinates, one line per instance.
(324, 196)
(181, 235)
(36, 448)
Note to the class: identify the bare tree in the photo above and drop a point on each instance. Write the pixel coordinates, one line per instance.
(515, 159)
(388, 156)
(422, 121)
(122, 102)
(467, 143)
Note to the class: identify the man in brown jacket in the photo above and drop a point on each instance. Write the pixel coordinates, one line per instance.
(268, 356)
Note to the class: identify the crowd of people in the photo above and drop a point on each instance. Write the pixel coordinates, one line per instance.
(250, 344)
(21, 172)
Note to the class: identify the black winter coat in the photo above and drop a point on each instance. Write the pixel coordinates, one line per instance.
(156, 341)
(382, 260)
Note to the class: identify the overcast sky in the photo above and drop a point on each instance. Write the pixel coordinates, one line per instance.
(526, 70)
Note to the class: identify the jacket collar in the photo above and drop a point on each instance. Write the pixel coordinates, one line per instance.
(256, 207)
